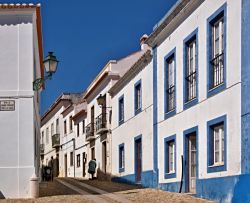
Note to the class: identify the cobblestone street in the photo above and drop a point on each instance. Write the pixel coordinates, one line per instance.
(88, 191)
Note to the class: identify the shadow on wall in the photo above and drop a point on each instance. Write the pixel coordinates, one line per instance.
(1, 195)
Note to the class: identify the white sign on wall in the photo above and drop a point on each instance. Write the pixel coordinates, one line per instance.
(7, 105)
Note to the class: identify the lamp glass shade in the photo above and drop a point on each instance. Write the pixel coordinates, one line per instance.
(50, 63)
(100, 100)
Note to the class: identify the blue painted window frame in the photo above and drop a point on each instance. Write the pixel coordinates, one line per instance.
(210, 125)
(171, 54)
(222, 11)
(137, 110)
(192, 36)
(186, 134)
(121, 120)
(168, 140)
(120, 148)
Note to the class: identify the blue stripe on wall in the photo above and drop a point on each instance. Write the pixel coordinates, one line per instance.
(155, 120)
(245, 87)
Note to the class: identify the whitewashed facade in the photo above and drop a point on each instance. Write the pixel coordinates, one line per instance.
(132, 119)
(200, 80)
(20, 64)
(98, 125)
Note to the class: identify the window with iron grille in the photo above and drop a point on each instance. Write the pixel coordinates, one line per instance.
(47, 135)
(170, 86)
(217, 62)
(121, 110)
(190, 72)
(216, 42)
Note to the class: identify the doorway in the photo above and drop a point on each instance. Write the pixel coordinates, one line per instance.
(84, 160)
(65, 165)
(104, 157)
(192, 163)
(138, 160)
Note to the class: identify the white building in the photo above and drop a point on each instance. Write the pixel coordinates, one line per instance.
(21, 63)
(98, 125)
(201, 99)
(52, 131)
(132, 129)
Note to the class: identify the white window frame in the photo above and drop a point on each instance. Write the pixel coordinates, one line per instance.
(218, 135)
(171, 157)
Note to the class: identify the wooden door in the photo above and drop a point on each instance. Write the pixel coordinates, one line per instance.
(138, 160)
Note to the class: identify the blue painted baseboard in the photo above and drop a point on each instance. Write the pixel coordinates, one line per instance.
(147, 179)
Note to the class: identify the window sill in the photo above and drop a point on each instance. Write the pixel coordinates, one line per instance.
(170, 175)
(216, 168)
(170, 114)
(137, 111)
(190, 103)
(216, 90)
(121, 122)
(121, 170)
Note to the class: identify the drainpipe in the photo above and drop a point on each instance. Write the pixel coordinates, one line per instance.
(182, 165)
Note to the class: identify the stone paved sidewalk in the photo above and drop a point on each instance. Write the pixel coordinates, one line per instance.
(55, 192)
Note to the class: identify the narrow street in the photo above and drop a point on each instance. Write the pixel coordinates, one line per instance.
(94, 191)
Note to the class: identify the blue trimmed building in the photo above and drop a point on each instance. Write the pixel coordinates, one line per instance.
(198, 140)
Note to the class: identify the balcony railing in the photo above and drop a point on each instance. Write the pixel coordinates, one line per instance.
(101, 123)
(41, 149)
(90, 131)
(56, 140)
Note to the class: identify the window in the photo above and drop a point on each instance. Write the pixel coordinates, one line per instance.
(52, 129)
(121, 158)
(121, 110)
(170, 157)
(78, 160)
(57, 126)
(71, 159)
(170, 84)
(42, 141)
(190, 69)
(217, 42)
(83, 126)
(138, 97)
(65, 127)
(70, 124)
(77, 130)
(216, 144)
(47, 135)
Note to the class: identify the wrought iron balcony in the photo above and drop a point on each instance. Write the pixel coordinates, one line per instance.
(101, 123)
(41, 149)
(217, 70)
(90, 132)
(56, 140)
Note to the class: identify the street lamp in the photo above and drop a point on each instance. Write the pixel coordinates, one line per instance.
(50, 64)
(101, 101)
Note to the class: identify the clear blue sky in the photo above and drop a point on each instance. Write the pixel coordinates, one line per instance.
(86, 34)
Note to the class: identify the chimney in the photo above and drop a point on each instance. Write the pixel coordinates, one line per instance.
(142, 42)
